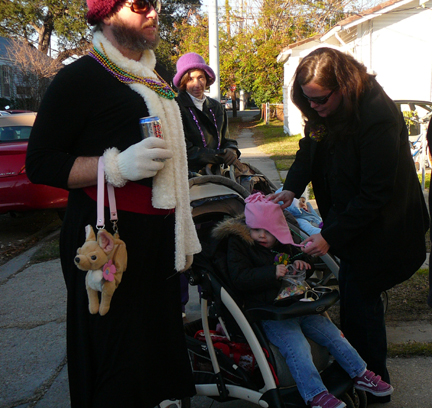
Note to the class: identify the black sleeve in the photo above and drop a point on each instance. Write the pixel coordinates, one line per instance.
(49, 158)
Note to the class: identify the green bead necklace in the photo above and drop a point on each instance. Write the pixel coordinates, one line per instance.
(160, 87)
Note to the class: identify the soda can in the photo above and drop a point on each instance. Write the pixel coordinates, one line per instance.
(151, 126)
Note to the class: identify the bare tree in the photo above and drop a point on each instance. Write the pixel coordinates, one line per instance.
(33, 71)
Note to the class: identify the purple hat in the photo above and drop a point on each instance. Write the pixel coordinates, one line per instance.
(99, 9)
(261, 213)
(192, 61)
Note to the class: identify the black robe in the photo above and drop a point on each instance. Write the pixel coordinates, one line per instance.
(135, 355)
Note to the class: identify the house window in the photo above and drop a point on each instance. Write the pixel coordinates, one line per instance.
(23, 90)
(6, 81)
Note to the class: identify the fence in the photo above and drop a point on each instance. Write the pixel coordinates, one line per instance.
(271, 111)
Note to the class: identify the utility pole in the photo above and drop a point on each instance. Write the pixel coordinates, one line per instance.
(214, 48)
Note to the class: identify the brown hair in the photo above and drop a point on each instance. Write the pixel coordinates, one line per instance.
(333, 70)
(186, 77)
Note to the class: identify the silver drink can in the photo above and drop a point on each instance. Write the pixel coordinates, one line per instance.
(151, 126)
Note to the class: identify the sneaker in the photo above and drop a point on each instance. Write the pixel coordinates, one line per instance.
(370, 382)
(326, 400)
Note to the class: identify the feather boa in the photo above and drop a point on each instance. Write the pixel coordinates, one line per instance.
(170, 185)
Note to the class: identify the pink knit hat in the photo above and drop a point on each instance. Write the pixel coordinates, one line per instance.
(261, 213)
(189, 61)
(99, 9)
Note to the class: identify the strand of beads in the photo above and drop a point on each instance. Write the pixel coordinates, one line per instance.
(201, 131)
(160, 87)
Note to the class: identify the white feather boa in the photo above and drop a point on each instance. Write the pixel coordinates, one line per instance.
(170, 185)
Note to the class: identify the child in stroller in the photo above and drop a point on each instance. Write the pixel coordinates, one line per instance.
(307, 218)
(252, 245)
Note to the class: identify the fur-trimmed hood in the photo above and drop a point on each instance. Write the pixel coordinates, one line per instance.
(234, 226)
(237, 226)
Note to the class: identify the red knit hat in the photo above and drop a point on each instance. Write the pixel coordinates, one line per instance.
(99, 9)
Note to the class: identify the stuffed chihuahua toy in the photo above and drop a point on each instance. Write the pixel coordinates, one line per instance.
(105, 259)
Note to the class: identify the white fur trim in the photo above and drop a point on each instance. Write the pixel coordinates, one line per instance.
(112, 172)
(170, 185)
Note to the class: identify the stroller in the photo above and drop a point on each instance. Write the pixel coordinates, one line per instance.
(230, 355)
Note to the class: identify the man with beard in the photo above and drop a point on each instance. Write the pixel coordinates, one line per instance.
(134, 355)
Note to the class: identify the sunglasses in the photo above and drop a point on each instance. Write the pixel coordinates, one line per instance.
(144, 6)
(319, 101)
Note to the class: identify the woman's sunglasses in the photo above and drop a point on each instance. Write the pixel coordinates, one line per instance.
(144, 6)
(319, 101)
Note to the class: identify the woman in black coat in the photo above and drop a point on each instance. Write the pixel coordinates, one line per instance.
(205, 122)
(356, 153)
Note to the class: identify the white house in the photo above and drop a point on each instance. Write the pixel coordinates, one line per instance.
(393, 40)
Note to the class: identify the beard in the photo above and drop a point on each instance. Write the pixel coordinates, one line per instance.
(131, 38)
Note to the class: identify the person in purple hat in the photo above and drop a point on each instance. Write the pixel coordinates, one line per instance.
(204, 119)
(255, 244)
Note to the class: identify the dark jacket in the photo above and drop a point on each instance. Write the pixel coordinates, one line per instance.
(198, 154)
(368, 194)
(251, 266)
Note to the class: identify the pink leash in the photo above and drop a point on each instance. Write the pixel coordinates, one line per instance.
(101, 197)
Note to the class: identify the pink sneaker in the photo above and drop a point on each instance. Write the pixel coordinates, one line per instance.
(326, 400)
(370, 382)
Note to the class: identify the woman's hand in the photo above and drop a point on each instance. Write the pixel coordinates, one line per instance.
(315, 245)
(285, 196)
(301, 265)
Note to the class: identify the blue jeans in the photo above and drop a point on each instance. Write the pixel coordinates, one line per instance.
(289, 336)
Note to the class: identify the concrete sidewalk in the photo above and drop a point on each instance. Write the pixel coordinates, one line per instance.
(33, 366)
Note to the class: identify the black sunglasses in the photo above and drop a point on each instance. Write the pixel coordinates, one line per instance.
(319, 101)
(144, 6)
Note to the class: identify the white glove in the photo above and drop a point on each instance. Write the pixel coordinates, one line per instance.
(136, 162)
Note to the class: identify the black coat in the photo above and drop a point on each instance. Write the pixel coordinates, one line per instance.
(118, 359)
(251, 266)
(198, 154)
(368, 193)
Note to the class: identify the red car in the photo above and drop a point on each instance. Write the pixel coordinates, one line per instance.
(17, 193)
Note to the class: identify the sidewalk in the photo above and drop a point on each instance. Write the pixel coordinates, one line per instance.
(33, 368)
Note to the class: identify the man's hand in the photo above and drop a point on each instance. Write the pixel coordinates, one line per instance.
(285, 196)
(139, 160)
(229, 156)
(315, 245)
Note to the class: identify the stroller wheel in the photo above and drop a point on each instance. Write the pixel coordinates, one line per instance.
(358, 397)
(348, 401)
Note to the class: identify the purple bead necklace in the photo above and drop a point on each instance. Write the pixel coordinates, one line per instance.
(201, 131)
